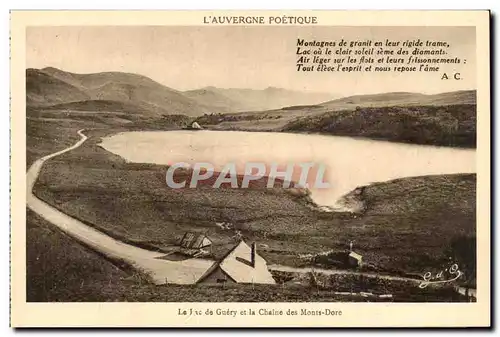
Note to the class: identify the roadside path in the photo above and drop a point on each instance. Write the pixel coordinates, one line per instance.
(417, 282)
(341, 272)
(161, 271)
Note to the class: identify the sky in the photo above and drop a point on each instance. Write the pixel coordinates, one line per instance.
(254, 57)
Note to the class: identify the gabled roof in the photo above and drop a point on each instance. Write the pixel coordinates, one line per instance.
(202, 241)
(195, 125)
(235, 265)
(243, 272)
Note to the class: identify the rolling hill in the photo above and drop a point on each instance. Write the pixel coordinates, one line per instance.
(403, 99)
(49, 86)
(446, 119)
(43, 89)
(99, 105)
(444, 125)
(131, 89)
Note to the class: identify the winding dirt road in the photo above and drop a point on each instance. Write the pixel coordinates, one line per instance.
(161, 271)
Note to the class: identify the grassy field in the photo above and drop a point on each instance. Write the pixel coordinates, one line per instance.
(449, 125)
(61, 270)
(131, 202)
(406, 226)
(443, 125)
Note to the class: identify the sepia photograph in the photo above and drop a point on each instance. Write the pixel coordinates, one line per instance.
(252, 159)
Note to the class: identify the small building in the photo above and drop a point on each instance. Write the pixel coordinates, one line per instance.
(195, 241)
(355, 259)
(196, 126)
(241, 264)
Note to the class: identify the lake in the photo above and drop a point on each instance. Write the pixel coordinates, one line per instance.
(350, 162)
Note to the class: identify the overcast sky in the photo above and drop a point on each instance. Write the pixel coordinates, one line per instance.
(239, 57)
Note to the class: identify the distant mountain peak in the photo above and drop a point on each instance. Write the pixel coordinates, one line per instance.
(52, 70)
(245, 99)
(277, 89)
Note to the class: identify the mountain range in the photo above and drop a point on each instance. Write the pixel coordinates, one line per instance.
(50, 86)
(127, 92)
(239, 100)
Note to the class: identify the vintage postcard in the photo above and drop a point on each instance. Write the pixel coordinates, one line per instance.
(250, 169)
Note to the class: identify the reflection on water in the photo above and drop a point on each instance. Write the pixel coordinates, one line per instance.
(349, 162)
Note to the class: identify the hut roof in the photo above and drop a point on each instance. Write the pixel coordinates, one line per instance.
(195, 125)
(236, 265)
(355, 255)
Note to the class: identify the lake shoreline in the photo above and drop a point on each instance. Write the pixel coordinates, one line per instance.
(354, 137)
(440, 125)
(92, 193)
(345, 169)
(286, 210)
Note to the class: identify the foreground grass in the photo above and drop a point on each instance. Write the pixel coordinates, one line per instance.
(130, 201)
(61, 270)
(408, 225)
(58, 268)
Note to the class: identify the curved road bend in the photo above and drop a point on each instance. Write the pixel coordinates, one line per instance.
(161, 271)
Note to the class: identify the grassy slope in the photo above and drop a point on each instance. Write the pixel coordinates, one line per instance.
(447, 119)
(53, 86)
(61, 270)
(444, 125)
(58, 268)
(402, 99)
(416, 219)
(99, 105)
(95, 186)
(447, 125)
(131, 200)
(43, 89)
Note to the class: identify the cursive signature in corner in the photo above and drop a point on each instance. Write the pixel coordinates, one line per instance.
(448, 275)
